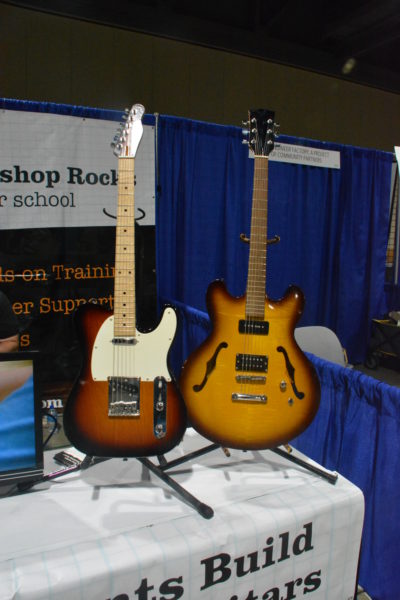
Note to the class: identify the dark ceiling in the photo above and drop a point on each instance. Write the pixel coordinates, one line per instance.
(358, 40)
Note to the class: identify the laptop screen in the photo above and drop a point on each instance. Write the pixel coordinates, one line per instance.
(21, 446)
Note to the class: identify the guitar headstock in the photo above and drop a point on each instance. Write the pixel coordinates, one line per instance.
(130, 133)
(262, 131)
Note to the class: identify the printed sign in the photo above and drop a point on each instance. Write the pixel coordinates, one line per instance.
(59, 171)
(304, 155)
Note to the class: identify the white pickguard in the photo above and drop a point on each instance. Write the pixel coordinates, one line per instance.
(146, 359)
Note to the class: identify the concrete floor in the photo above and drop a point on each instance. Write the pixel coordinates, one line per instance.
(388, 370)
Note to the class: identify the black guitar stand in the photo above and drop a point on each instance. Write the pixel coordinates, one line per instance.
(203, 509)
(72, 464)
(328, 475)
(159, 470)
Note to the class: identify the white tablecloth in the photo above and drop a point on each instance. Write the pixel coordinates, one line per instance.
(116, 532)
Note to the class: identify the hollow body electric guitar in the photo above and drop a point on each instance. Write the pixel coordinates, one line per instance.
(248, 385)
(124, 402)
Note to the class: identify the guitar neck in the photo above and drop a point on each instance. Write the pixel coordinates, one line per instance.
(124, 284)
(257, 271)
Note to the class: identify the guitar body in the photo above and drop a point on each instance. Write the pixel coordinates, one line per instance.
(250, 390)
(91, 418)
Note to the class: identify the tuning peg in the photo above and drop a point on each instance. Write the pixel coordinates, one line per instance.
(246, 123)
(116, 149)
(245, 132)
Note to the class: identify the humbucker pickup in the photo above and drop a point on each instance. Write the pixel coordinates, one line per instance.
(253, 326)
(251, 362)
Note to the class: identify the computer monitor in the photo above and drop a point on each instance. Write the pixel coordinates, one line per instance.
(21, 444)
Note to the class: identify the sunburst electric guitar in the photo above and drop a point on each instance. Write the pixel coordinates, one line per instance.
(125, 402)
(248, 385)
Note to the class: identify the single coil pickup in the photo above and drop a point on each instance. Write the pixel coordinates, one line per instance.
(259, 398)
(251, 378)
(128, 341)
(253, 326)
(251, 362)
(123, 396)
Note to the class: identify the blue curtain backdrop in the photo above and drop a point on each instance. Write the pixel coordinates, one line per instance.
(333, 226)
(357, 433)
(74, 110)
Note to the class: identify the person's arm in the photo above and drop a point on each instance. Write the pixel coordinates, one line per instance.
(9, 326)
(12, 378)
(10, 344)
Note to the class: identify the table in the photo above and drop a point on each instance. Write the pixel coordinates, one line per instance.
(116, 532)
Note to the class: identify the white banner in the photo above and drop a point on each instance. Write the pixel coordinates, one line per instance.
(278, 533)
(59, 171)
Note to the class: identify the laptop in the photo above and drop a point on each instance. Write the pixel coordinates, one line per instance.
(21, 445)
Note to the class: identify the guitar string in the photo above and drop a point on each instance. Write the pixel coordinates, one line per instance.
(250, 291)
(124, 285)
(246, 349)
(257, 263)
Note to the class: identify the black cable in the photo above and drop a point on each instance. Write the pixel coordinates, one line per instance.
(55, 427)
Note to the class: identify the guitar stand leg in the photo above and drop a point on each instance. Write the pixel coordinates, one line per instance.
(203, 509)
(164, 464)
(329, 476)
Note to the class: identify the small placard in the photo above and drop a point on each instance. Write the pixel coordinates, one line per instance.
(305, 155)
(397, 153)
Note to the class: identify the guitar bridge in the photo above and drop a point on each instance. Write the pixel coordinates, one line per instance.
(123, 396)
(258, 398)
(251, 378)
